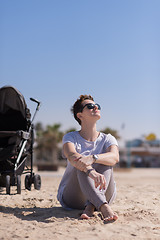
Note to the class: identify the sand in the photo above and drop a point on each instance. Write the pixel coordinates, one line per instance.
(38, 215)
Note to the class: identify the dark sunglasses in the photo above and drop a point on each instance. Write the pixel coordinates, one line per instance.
(91, 106)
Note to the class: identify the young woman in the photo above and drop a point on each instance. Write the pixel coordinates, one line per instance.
(88, 181)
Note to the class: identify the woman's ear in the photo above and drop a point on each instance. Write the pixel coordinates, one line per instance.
(79, 115)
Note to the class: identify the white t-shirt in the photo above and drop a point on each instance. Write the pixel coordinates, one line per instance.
(85, 148)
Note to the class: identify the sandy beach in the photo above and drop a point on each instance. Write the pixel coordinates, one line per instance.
(38, 215)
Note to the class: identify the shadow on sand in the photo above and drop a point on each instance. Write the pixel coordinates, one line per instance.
(41, 214)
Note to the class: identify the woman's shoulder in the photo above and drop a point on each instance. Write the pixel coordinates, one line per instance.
(109, 138)
(106, 135)
(72, 133)
(69, 136)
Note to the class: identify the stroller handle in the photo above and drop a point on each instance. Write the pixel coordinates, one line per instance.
(38, 106)
(35, 100)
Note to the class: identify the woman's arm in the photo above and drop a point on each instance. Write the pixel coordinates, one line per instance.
(110, 158)
(75, 158)
(83, 164)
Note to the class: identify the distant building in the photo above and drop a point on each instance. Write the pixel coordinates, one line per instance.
(139, 153)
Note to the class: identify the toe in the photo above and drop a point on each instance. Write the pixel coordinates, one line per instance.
(108, 219)
(115, 217)
(84, 216)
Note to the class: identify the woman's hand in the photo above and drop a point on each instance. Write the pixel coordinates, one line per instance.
(98, 178)
(80, 165)
(83, 162)
(87, 160)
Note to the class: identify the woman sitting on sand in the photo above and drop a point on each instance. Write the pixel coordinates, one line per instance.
(88, 182)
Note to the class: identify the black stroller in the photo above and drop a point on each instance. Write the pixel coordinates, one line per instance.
(16, 141)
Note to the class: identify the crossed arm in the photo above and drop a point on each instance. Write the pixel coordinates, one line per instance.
(84, 163)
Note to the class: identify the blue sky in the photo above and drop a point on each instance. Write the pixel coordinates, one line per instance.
(57, 50)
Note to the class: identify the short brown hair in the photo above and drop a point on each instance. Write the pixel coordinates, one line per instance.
(77, 107)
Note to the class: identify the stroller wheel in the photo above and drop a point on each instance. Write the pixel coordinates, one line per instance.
(19, 184)
(28, 182)
(8, 185)
(37, 182)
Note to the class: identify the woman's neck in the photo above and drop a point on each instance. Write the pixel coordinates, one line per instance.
(89, 132)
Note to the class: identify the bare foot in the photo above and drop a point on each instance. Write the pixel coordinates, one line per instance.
(108, 214)
(88, 212)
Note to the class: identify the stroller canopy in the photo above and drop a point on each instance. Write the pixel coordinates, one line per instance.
(11, 98)
(13, 110)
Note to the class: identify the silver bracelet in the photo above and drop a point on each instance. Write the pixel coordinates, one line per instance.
(95, 157)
